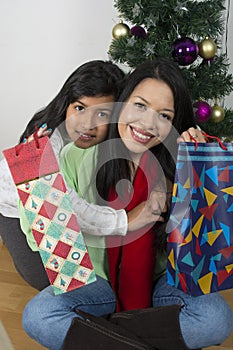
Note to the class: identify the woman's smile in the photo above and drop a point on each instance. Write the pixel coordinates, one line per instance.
(140, 135)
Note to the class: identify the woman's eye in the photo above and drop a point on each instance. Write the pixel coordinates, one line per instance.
(165, 116)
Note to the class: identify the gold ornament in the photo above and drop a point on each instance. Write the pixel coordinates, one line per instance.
(217, 114)
(120, 29)
(207, 48)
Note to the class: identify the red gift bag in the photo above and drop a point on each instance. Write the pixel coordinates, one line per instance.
(48, 209)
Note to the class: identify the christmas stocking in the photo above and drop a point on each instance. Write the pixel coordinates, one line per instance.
(48, 209)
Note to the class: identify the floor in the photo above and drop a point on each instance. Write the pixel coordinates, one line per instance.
(14, 294)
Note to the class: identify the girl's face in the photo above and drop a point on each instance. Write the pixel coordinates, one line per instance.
(146, 119)
(87, 120)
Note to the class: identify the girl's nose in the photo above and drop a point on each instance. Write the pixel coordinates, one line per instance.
(87, 121)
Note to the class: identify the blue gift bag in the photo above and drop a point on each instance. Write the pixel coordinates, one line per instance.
(200, 228)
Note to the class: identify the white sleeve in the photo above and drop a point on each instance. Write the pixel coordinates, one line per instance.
(56, 142)
(8, 192)
(98, 220)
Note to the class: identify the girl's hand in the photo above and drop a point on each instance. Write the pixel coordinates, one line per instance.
(148, 212)
(42, 131)
(191, 135)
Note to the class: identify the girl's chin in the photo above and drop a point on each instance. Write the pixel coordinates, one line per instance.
(85, 144)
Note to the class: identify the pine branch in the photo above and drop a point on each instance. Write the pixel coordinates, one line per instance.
(164, 22)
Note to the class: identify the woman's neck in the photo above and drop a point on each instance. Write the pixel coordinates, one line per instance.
(136, 158)
(134, 163)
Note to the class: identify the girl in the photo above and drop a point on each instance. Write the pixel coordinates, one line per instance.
(94, 82)
(155, 111)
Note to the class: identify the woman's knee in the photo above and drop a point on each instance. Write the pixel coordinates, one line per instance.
(220, 319)
(211, 319)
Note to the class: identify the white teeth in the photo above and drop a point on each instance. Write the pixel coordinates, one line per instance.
(141, 136)
(84, 135)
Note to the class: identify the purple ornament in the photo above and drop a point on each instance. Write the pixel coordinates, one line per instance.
(138, 31)
(203, 111)
(184, 51)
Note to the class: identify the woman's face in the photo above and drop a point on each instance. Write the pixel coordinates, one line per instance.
(146, 118)
(87, 120)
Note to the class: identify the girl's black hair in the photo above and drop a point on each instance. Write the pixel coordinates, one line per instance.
(117, 164)
(93, 78)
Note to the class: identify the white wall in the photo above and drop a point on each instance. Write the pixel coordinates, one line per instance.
(41, 43)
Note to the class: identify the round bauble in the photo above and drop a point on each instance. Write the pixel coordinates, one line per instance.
(202, 111)
(119, 30)
(217, 114)
(184, 51)
(207, 48)
(138, 31)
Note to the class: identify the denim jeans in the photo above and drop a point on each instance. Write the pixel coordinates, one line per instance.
(204, 321)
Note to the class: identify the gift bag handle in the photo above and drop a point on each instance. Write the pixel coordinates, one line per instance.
(35, 138)
(207, 137)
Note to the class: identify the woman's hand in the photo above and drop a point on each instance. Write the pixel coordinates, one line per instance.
(42, 131)
(148, 212)
(191, 135)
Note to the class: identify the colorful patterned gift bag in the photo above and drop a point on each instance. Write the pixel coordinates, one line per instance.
(48, 209)
(200, 228)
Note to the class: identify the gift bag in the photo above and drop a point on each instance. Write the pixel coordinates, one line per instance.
(48, 209)
(200, 228)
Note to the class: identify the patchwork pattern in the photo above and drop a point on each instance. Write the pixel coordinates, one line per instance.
(56, 232)
(200, 238)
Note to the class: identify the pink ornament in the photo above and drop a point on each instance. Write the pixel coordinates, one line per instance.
(202, 111)
(138, 31)
(184, 51)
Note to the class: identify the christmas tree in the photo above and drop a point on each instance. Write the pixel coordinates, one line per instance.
(191, 34)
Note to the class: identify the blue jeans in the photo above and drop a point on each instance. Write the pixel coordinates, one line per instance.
(204, 321)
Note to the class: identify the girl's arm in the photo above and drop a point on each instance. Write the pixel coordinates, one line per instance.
(148, 212)
(98, 220)
(105, 221)
(8, 193)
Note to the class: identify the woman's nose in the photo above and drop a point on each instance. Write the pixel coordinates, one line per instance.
(149, 120)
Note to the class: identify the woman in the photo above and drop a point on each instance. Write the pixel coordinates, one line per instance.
(155, 111)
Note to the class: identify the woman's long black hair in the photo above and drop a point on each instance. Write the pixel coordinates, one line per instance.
(115, 157)
(92, 78)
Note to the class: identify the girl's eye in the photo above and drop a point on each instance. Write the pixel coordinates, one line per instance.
(103, 115)
(140, 106)
(79, 108)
